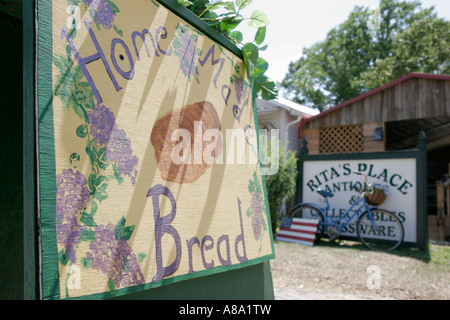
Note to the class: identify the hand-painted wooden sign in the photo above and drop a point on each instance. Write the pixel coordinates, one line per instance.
(137, 185)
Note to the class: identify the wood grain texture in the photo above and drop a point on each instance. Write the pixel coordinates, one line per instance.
(413, 98)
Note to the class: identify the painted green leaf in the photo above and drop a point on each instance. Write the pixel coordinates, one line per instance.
(86, 263)
(100, 196)
(87, 235)
(119, 228)
(111, 285)
(126, 233)
(87, 219)
(141, 257)
(62, 257)
(117, 174)
(113, 6)
(118, 30)
(121, 232)
(263, 222)
(82, 131)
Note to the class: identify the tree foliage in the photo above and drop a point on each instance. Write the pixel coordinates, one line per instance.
(355, 57)
(282, 185)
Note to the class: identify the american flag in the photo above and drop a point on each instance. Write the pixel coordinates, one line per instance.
(298, 230)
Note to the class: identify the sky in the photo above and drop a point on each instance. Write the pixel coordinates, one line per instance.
(296, 24)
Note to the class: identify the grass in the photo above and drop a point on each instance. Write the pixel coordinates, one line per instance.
(339, 270)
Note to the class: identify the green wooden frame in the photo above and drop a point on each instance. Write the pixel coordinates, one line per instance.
(40, 181)
(420, 155)
(31, 261)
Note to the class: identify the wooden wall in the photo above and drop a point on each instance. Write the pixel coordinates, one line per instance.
(414, 98)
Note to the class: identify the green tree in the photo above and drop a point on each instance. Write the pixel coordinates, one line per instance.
(281, 185)
(424, 47)
(355, 58)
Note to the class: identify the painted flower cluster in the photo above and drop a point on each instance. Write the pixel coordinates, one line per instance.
(257, 208)
(185, 45)
(110, 154)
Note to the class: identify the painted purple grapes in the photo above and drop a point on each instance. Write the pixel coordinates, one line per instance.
(72, 197)
(256, 215)
(114, 258)
(187, 54)
(101, 12)
(239, 87)
(118, 150)
(102, 122)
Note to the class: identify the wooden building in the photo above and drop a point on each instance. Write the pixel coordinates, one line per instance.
(387, 118)
(390, 118)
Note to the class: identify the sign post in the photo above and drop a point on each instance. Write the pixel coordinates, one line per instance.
(143, 117)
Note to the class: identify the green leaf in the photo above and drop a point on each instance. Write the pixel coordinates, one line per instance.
(263, 48)
(60, 62)
(263, 222)
(91, 177)
(82, 131)
(250, 52)
(260, 35)
(229, 24)
(87, 219)
(258, 19)
(87, 235)
(260, 67)
(236, 35)
(243, 3)
(99, 196)
(111, 285)
(113, 6)
(119, 228)
(99, 180)
(86, 263)
(141, 257)
(74, 157)
(127, 232)
(218, 5)
(117, 174)
(62, 257)
(185, 3)
(249, 212)
(266, 87)
(118, 30)
(121, 232)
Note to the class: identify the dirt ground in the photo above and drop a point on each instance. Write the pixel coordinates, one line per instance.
(347, 271)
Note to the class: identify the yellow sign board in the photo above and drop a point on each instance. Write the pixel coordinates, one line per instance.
(155, 152)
